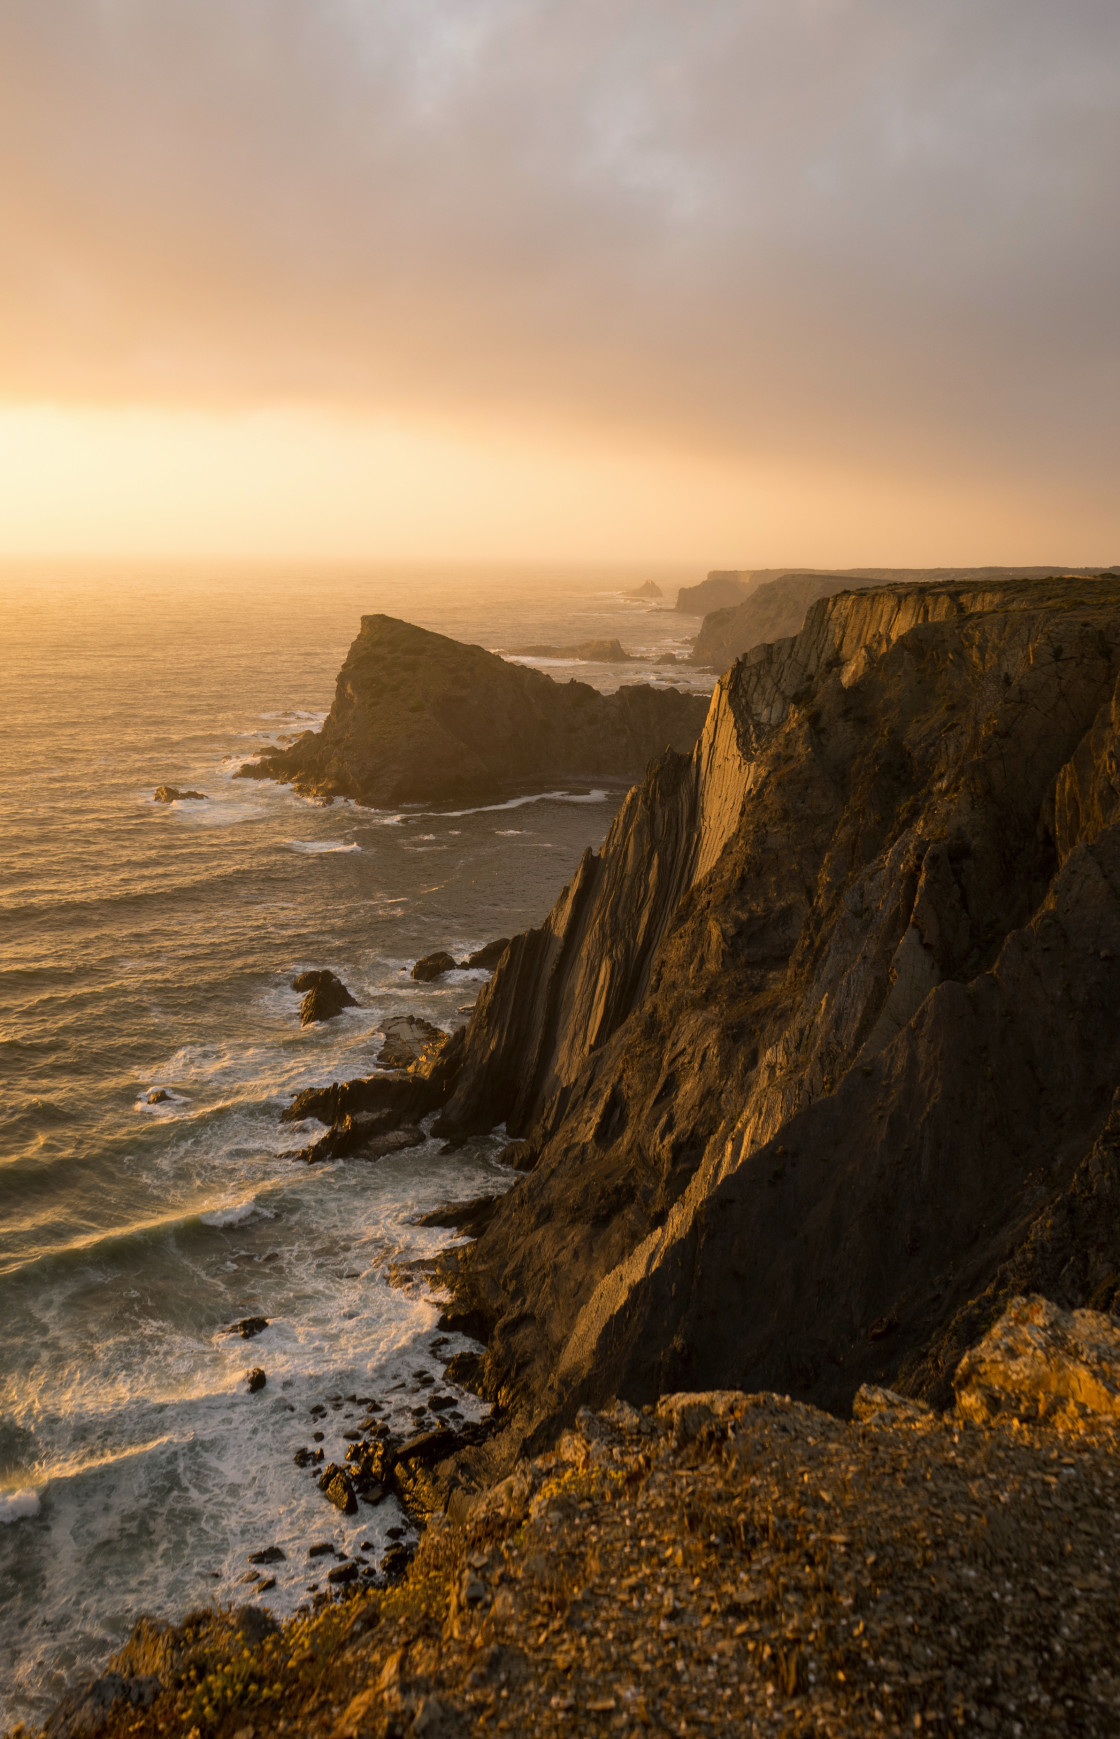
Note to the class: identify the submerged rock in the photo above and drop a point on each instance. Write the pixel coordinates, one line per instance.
(326, 996)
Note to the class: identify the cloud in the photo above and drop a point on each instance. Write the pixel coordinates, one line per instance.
(880, 232)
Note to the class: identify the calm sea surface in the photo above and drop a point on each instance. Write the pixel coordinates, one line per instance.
(143, 946)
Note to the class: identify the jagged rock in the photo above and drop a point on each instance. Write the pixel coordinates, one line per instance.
(255, 1380)
(343, 1573)
(832, 1001)
(433, 966)
(158, 1096)
(248, 1326)
(1039, 1362)
(469, 1217)
(334, 1483)
(407, 1037)
(872, 1402)
(722, 590)
(326, 996)
(170, 794)
(488, 955)
(647, 590)
(522, 1155)
(419, 718)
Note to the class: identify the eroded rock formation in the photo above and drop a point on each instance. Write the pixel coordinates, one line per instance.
(420, 718)
(818, 1054)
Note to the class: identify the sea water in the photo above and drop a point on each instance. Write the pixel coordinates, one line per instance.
(151, 947)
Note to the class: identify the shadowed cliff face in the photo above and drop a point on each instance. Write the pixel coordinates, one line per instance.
(420, 718)
(825, 1041)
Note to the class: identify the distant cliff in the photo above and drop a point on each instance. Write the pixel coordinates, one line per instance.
(420, 718)
(818, 1054)
(743, 610)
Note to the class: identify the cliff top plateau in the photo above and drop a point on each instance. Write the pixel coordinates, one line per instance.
(420, 718)
(742, 610)
(725, 1563)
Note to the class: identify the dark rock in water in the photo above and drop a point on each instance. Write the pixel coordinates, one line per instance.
(347, 1572)
(270, 1555)
(255, 1379)
(248, 1326)
(433, 966)
(474, 1323)
(406, 1096)
(334, 1483)
(318, 1550)
(170, 794)
(359, 1137)
(307, 1457)
(158, 1096)
(326, 996)
(419, 718)
(265, 1583)
(488, 955)
(84, 1712)
(646, 590)
(407, 1037)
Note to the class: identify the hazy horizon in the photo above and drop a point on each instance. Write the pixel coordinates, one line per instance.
(507, 282)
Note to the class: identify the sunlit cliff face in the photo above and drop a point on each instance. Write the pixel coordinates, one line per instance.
(809, 280)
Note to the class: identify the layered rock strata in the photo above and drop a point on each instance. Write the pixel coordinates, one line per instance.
(816, 1058)
(420, 718)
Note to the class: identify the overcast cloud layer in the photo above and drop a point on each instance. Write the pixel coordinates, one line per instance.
(857, 229)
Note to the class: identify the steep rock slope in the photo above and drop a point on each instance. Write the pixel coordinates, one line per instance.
(825, 1041)
(420, 718)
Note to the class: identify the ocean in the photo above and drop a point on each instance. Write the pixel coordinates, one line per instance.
(149, 947)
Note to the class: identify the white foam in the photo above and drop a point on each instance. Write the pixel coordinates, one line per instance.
(509, 832)
(236, 1214)
(14, 1505)
(315, 846)
(520, 802)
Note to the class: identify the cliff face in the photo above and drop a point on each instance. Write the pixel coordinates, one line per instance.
(819, 1053)
(420, 718)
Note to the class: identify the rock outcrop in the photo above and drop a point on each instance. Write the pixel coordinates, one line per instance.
(722, 590)
(1042, 1363)
(817, 1056)
(420, 718)
(172, 794)
(324, 997)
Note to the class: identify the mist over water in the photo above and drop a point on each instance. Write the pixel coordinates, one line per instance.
(146, 946)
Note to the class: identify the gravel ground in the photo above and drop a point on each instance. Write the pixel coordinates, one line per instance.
(729, 1565)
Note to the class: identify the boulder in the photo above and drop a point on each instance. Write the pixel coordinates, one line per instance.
(433, 966)
(248, 1326)
(326, 996)
(158, 1096)
(407, 1037)
(171, 794)
(1039, 1362)
(255, 1380)
(334, 1483)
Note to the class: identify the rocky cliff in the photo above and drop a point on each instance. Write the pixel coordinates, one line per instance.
(772, 602)
(818, 1054)
(420, 718)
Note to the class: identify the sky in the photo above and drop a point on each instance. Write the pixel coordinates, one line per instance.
(732, 282)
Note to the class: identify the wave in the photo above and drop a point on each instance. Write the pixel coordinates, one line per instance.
(14, 1505)
(311, 846)
(237, 1214)
(519, 803)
